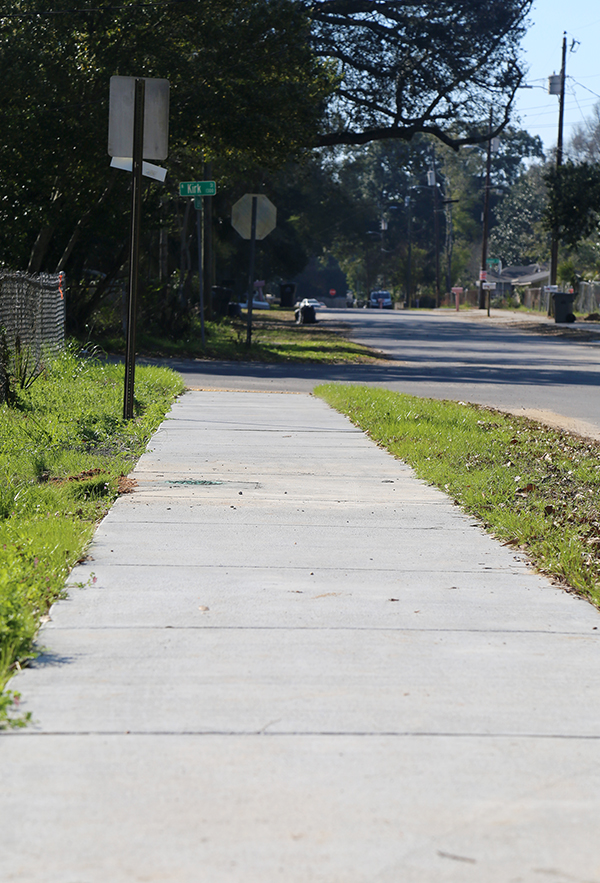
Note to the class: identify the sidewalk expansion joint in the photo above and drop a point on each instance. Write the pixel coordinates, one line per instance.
(261, 733)
(302, 569)
(321, 628)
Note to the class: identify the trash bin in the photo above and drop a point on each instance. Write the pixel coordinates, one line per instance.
(234, 310)
(306, 315)
(287, 293)
(563, 306)
(220, 297)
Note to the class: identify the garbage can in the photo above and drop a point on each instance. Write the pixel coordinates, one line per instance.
(234, 310)
(287, 293)
(220, 297)
(306, 315)
(563, 306)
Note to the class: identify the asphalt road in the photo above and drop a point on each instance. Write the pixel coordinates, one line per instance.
(447, 355)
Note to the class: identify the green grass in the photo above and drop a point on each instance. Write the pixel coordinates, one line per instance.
(62, 452)
(533, 487)
(275, 338)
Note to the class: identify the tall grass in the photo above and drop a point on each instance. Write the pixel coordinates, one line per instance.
(63, 448)
(531, 486)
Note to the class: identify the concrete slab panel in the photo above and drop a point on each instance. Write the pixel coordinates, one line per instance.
(283, 809)
(253, 597)
(241, 693)
(316, 680)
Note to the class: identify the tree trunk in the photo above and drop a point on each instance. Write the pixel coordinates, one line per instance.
(40, 247)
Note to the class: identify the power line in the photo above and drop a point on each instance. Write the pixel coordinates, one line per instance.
(585, 87)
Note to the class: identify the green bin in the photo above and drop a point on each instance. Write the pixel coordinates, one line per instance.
(563, 306)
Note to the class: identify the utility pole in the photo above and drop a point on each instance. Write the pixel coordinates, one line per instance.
(556, 86)
(408, 205)
(432, 182)
(449, 242)
(486, 210)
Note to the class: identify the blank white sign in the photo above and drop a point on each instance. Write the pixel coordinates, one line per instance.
(156, 117)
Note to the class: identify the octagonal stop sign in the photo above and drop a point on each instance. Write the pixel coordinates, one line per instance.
(266, 216)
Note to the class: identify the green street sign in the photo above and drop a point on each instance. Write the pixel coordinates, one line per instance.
(198, 203)
(197, 188)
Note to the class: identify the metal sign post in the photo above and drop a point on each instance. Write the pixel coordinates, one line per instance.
(138, 129)
(251, 273)
(487, 287)
(199, 235)
(199, 190)
(134, 244)
(253, 216)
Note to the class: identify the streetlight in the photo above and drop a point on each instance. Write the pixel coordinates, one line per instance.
(486, 208)
(407, 204)
(432, 182)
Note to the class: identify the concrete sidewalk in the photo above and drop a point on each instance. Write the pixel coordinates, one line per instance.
(298, 663)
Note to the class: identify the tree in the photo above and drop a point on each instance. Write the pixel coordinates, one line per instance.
(518, 237)
(585, 142)
(432, 66)
(573, 208)
(244, 82)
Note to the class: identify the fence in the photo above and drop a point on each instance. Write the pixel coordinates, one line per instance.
(588, 298)
(32, 310)
(535, 299)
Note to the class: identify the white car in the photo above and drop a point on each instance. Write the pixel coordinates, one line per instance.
(311, 302)
(257, 304)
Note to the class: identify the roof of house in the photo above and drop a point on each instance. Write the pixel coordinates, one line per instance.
(516, 275)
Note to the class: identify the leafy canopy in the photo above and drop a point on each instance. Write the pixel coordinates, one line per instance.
(244, 82)
(573, 208)
(433, 66)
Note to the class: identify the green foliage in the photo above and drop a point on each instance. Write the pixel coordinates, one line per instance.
(62, 452)
(533, 487)
(573, 200)
(244, 83)
(409, 68)
(387, 181)
(19, 368)
(519, 237)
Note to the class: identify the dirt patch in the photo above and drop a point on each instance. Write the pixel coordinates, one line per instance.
(566, 332)
(126, 485)
(81, 476)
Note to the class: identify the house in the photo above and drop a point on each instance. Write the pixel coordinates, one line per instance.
(515, 277)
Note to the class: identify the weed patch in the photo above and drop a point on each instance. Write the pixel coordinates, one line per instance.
(64, 452)
(533, 487)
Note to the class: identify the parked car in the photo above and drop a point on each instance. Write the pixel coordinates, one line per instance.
(311, 302)
(257, 304)
(380, 300)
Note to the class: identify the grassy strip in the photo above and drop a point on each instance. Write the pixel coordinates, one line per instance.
(63, 452)
(533, 487)
(275, 338)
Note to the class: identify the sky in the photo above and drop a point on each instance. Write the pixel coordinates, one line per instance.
(536, 110)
